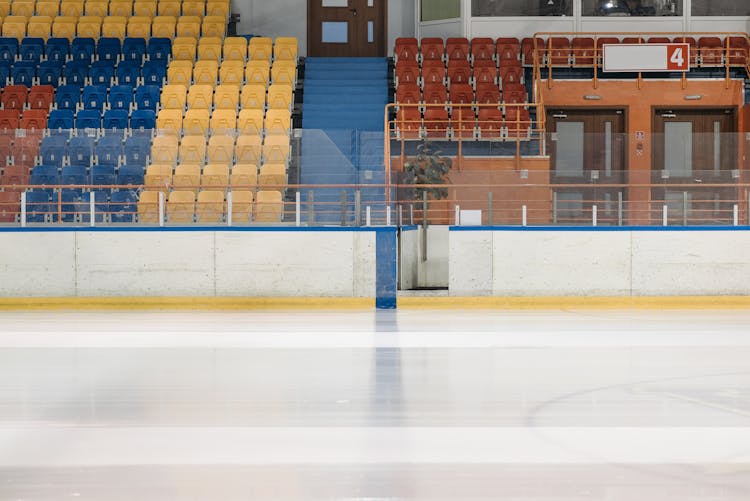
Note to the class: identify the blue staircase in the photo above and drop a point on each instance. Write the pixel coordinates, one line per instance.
(342, 137)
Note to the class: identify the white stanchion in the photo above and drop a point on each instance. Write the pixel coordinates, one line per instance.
(297, 209)
(523, 215)
(594, 215)
(387, 216)
(664, 215)
(161, 208)
(23, 209)
(736, 214)
(457, 220)
(229, 208)
(92, 209)
(367, 216)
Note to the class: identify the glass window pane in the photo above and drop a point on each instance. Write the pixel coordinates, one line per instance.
(506, 8)
(569, 158)
(720, 8)
(335, 3)
(370, 31)
(335, 32)
(433, 10)
(632, 8)
(678, 148)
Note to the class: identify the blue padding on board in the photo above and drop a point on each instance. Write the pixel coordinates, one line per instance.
(385, 266)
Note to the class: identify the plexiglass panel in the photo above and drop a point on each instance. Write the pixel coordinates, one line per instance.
(720, 8)
(509, 8)
(335, 32)
(569, 149)
(678, 148)
(635, 8)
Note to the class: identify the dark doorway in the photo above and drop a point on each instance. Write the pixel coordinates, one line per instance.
(346, 28)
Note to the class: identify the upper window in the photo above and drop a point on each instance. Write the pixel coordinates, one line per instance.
(634, 8)
(720, 8)
(512, 8)
(434, 10)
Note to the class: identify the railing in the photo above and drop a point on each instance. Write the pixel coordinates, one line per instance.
(548, 57)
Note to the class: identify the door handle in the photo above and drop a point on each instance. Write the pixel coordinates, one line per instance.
(353, 11)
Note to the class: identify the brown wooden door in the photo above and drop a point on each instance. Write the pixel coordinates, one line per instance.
(346, 28)
(694, 151)
(587, 149)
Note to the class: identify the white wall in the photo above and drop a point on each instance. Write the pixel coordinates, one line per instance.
(599, 263)
(408, 266)
(192, 263)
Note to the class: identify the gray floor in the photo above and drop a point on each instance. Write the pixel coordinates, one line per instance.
(415, 405)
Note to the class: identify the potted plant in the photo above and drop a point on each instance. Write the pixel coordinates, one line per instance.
(422, 172)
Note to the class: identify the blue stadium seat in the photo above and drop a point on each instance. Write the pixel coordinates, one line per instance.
(159, 48)
(73, 175)
(101, 207)
(8, 48)
(121, 97)
(102, 72)
(115, 119)
(83, 49)
(57, 49)
(70, 198)
(4, 72)
(89, 119)
(130, 175)
(103, 175)
(123, 205)
(61, 121)
(32, 49)
(49, 73)
(108, 49)
(128, 73)
(67, 97)
(133, 49)
(44, 175)
(147, 97)
(154, 72)
(53, 150)
(136, 151)
(23, 73)
(76, 72)
(94, 97)
(37, 206)
(81, 151)
(143, 119)
(108, 151)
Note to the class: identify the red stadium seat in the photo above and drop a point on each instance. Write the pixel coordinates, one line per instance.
(711, 50)
(15, 175)
(508, 48)
(559, 54)
(10, 206)
(738, 51)
(25, 150)
(9, 119)
(457, 49)
(527, 50)
(514, 94)
(407, 49)
(461, 93)
(511, 75)
(632, 40)
(407, 72)
(488, 93)
(409, 122)
(407, 94)
(482, 49)
(517, 122)
(485, 72)
(436, 122)
(34, 120)
(6, 145)
(659, 40)
(459, 71)
(432, 48)
(583, 51)
(433, 72)
(41, 97)
(463, 122)
(435, 94)
(490, 123)
(14, 97)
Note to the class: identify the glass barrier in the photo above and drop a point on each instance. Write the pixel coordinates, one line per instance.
(512, 8)
(625, 8)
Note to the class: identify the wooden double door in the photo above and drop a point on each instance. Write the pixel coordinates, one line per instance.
(346, 28)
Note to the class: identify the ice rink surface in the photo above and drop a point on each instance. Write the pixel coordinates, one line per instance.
(414, 405)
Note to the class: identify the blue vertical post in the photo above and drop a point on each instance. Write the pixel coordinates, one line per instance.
(386, 268)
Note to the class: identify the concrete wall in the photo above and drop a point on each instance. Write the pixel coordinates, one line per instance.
(409, 258)
(188, 263)
(599, 263)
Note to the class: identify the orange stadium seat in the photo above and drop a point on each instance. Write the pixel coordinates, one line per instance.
(227, 97)
(88, 27)
(260, 49)
(482, 49)
(210, 207)
(171, 8)
(164, 149)
(235, 48)
(139, 27)
(231, 72)
(187, 177)
(49, 8)
(286, 49)
(180, 72)
(242, 205)
(184, 48)
(244, 176)
(39, 27)
(257, 72)
(181, 206)
(158, 177)
(214, 26)
(250, 121)
(195, 8)
(206, 72)
(248, 149)
(114, 27)
(272, 176)
(200, 96)
(253, 96)
(407, 49)
(23, 8)
(148, 207)
(196, 122)
(223, 121)
(169, 120)
(221, 150)
(164, 26)
(188, 26)
(217, 8)
(209, 48)
(71, 8)
(268, 207)
(145, 8)
(96, 8)
(121, 8)
(215, 175)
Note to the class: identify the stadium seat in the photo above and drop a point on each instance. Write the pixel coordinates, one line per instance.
(8, 48)
(109, 151)
(436, 122)
(169, 8)
(221, 150)
(435, 94)
(147, 97)
(74, 175)
(433, 72)
(180, 72)
(583, 51)
(210, 206)
(39, 27)
(98, 8)
(9, 120)
(257, 72)
(109, 49)
(88, 119)
(242, 205)
(218, 8)
(485, 72)
(407, 72)
(131, 174)
(87, 27)
(26, 149)
(268, 207)
(49, 73)
(461, 93)
(280, 97)
(409, 122)
(511, 75)
(432, 48)
(103, 175)
(235, 49)
(278, 122)
(272, 177)
(4, 72)
(193, 150)
(143, 119)
(31, 49)
(37, 206)
(248, 149)
(83, 49)
(459, 72)
(738, 51)
(120, 97)
(128, 73)
(194, 8)
(44, 175)
(57, 50)
(253, 96)
(231, 72)
(169, 120)
(114, 26)
(188, 26)
(159, 49)
(23, 8)
(50, 8)
(286, 49)
(260, 49)
(155, 72)
(23, 73)
(102, 73)
(164, 150)
(41, 97)
(216, 176)
(5, 8)
(94, 97)
(409, 94)
(174, 96)
(123, 205)
(250, 121)
(80, 152)
(145, 8)
(136, 151)
(284, 72)
(123, 8)
(115, 120)
(558, 51)
(134, 49)
(15, 97)
(482, 49)
(164, 27)
(15, 26)
(53, 150)
(227, 97)
(205, 72)
(181, 206)
(457, 48)
(214, 26)
(76, 73)
(148, 207)
(196, 122)
(184, 48)
(487, 93)
(158, 177)
(200, 96)
(276, 149)
(67, 97)
(244, 176)
(711, 51)
(209, 48)
(187, 177)
(71, 8)
(224, 121)
(490, 123)
(10, 206)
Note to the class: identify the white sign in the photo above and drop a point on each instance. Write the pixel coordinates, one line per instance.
(646, 57)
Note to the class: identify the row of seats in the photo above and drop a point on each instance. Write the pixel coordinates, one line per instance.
(15, 176)
(113, 26)
(168, 149)
(66, 122)
(226, 96)
(87, 50)
(209, 71)
(236, 49)
(100, 97)
(105, 8)
(200, 122)
(191, 177)
(12, 119)
(19, 97)
(81, 73)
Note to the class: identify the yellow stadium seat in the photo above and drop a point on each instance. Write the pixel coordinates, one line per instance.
(268, 207)
(71, 8)
(164, 149)
(174, 96)
(215, 175)
(39, 27)
(221, 150)
(169, 8)
(181, 206)
(284, 72)
(146, 8)
(121, 8)
(276, 149)
(231, 72)
(219, 9)
(139, 27)
(280, 96)
(25, 8)
(248, 149)
(278, 122)
(88, 27)
(96, 8)
(188, 26)
(163, 26)
(4, 8)
(193, 150)
(148, 207)
(258, 72)
(260, 49)
(235, 48)
(169, 120)
(209, 48)
(227, 97)
(272, 177)
(286, 49)
(183, 48)
(195, 8)
(49, 8)
(242, 206)
(196, 123)
(114, 27)
(200, 97)
(158, 177)
(254, 96)
(214, 26)
(14, 26)
(244, 176)
(210, 207)
(250, 121)
(187, 177)
(180, 72)
(223, 121)
(206, 72)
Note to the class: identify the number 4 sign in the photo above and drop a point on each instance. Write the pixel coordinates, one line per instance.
(678, 57)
